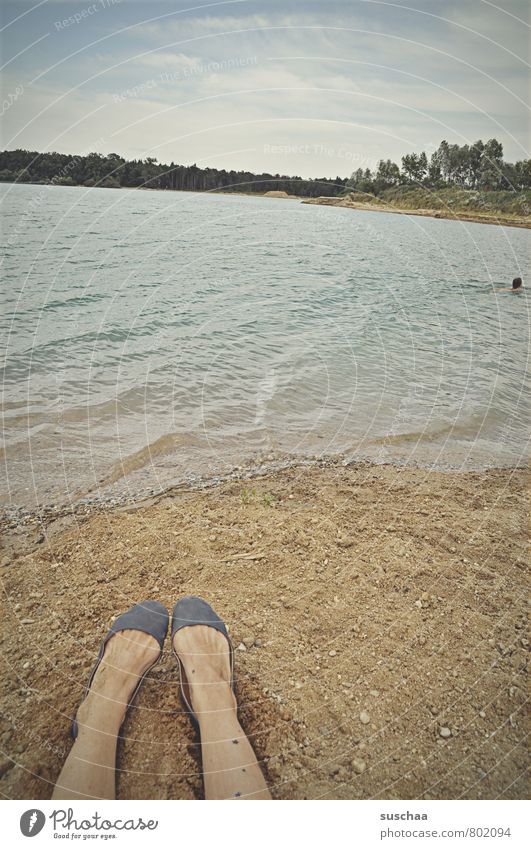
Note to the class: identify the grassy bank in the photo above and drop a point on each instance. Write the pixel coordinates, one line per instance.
(459, 200)
(509, 208)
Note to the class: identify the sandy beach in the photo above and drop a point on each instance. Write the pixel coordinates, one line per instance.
(453, 215)
(378, 615)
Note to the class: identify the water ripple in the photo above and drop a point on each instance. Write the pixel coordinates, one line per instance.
(217, 328)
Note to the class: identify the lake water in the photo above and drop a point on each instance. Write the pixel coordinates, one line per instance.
(150, 338)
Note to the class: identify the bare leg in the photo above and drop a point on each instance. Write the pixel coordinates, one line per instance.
(230, 768)
(89, 770)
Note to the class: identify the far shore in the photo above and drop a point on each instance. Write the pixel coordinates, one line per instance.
(475, 217)
(342, 202)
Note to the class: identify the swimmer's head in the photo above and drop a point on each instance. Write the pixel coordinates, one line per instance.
(517, 283)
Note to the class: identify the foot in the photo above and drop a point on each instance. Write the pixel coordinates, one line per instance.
(128, 655)
(205, 655)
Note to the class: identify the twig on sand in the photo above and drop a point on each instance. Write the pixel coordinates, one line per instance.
(252, 556)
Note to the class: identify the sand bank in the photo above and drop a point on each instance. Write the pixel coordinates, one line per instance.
(371, 607)
(475, 217)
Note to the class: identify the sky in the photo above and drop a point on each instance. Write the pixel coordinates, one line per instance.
(300, 87)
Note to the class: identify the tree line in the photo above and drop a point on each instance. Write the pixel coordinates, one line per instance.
(112, 171)
(477, 166)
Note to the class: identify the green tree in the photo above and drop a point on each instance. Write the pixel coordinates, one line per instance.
(415, 167)
(491, 175)
(523, 173)
(387, 174)
(443, 156)
(475, 158)
(434, 170)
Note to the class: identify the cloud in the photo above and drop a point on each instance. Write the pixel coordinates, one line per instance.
(373, 79)
(168, 60)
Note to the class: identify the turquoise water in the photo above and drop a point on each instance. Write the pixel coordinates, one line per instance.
(152, 337)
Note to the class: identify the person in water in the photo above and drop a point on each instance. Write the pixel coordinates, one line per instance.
(515, 288)
(205, 662)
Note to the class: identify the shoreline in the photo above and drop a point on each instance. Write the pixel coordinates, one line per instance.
(103, 499)
(395, 592)
(475, 218)
(447, 215)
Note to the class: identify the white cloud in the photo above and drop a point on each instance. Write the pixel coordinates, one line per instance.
(168, 60)
(184, 89)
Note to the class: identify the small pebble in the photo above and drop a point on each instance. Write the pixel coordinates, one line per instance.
(364, 717)
(358, 765)
(445, 732)
(332, 653)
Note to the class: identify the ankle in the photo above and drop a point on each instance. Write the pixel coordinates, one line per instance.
(215, 698)
(99, 713)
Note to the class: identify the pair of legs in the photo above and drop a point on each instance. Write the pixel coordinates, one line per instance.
(230, 769)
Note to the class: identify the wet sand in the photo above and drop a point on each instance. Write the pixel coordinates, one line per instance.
(378, 615)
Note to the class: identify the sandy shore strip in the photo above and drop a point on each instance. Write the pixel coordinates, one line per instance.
(378, 614)
(457, 215)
